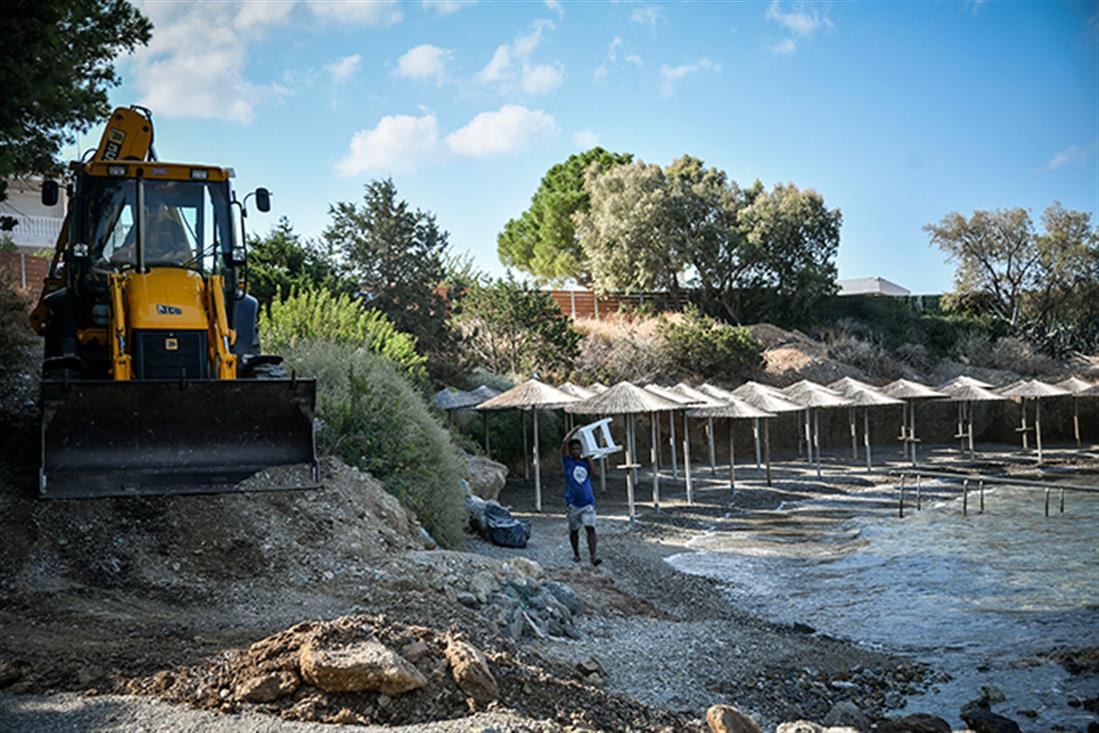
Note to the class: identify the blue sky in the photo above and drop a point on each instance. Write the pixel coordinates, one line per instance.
(896, 112)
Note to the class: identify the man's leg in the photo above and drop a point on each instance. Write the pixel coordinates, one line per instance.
(574, 538)
(591, 545)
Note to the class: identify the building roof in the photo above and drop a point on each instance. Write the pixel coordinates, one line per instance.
(871, 286)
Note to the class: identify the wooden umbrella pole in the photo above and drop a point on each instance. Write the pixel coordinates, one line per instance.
(866, 437)
(1026, 442)
(755, 439)
(1076, 419)
(687, 461)
(603, 474)
(732, 459)
(713, 452)
(767, 446)
(1038, 426)
(816, 437)
(655, 453)
(904, 428)
(969, 430)
(630, 456)
(808, 439)
(526, 448)
(675, 448)
(961, 427)
(912, 430)
(537, 466)
(854, 434)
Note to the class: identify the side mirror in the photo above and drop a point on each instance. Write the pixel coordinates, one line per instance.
(50, 193)
(263, 200)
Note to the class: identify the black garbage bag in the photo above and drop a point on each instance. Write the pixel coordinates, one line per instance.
(500, 528)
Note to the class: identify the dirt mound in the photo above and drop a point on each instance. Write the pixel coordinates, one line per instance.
(267, 677)
(191, 541)
(791, 355)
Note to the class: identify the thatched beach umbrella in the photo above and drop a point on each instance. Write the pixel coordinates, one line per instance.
(629, 400)
(815, 397)
(722, 395)
(867, 398)
(950, 387)
(768, 399)
(598, 387)
(1077, 388)
(965, 394)
(911, 393)
(580, 393)
(846, 386)
(701, 398)
(1033, 389)
(448, 400)
(531, 395)
(732, 408)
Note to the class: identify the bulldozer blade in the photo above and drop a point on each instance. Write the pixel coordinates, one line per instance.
(155, 437)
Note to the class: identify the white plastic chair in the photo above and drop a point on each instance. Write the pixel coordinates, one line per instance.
(596, 440)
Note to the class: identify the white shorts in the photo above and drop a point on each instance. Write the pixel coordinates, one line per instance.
(581, 516)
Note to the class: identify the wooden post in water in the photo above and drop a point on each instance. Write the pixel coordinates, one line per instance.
(732, 460)
(900, 491)
(981, 488)
(1047, 502)
(1062, 501)
(655, 458)
(965, 497)
(537, 466)
(919, 493)
(767, 446)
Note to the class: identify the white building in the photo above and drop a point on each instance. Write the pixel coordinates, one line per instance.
(871, 286)
(36, 226)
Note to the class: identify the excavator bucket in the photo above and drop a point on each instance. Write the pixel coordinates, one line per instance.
(155, 437)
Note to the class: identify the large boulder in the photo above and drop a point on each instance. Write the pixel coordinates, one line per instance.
(847, 713)
(486, 477)
(361, 665)
(470, 670)
(266, 687)
(799, 726)
(979, 717)
(727, 719)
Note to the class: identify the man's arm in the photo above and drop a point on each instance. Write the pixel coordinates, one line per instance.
(565, 442)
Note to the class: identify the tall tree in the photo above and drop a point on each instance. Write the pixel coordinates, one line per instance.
(57, 66)
(542, 240)
(396, 255)
(281, 262)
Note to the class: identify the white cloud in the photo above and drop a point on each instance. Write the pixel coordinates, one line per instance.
(343, 69)
(511, 65)
(650, 15)
(398, 143)
(177, 77)
(556, 6)
(358, 12)
(424, 62)
(615, 58)
(585, 139)
(1070, 155)
(669, 75)
(801, 22)
(542, 78)
(446, 7)
(256, 13)
(507, 130)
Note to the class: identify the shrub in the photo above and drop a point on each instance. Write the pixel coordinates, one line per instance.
(373, 418)
(509, 328)
(309, 315)
(1006, 354)
(699, 346)
(867, 356)
(15, 334)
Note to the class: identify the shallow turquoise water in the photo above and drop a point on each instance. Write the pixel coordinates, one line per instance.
(982, 597)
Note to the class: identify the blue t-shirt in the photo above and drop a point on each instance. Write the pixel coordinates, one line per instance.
(577, 481)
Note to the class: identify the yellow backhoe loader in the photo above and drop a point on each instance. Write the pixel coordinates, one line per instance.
(153, 381)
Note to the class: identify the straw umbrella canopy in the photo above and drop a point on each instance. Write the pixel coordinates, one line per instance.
(628, 400)
(580, 393)
(733, 408)
(965, 394)
(951, 387)
(684, 402)
(963, 381)
(701, 398)
(1077, 388)
(597, 387)
(815, 396)
(1033, 389)
(848, 386)
(769, 400)
(448, 399)
(911, 393)
(482, 393)
(530, 395)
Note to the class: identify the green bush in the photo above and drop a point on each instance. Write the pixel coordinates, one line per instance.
(309, 315)
(699, 346)
(15, 334)
(373, 418)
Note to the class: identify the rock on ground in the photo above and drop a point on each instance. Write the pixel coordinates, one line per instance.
(470, 671)
(486, 476)
(364, 665)
(727, 719)
(915, 723)
(846, 713)
(267, 687)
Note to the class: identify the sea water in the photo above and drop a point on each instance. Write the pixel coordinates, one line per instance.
(984, 597)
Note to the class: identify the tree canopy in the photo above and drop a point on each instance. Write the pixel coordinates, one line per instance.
(281, 263)
(542, 240)
(57, 67)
